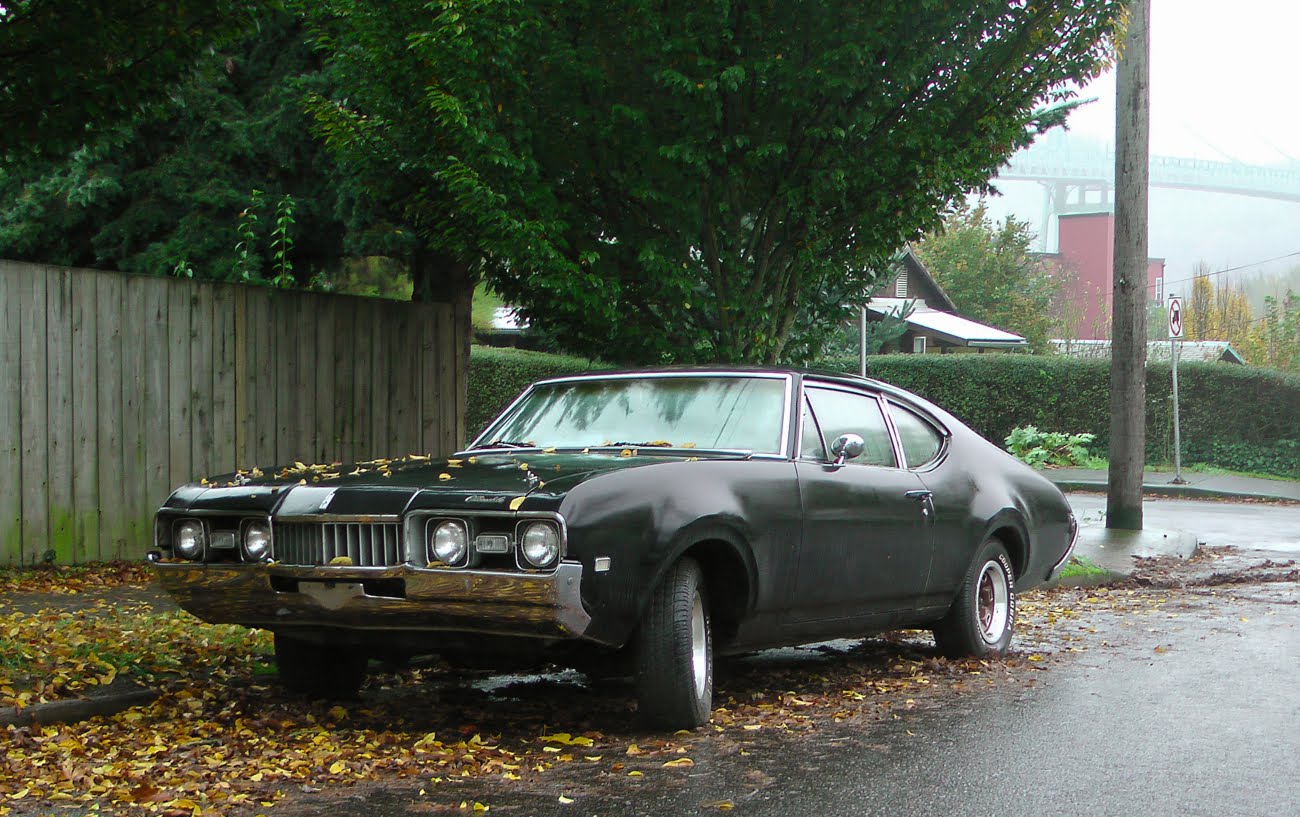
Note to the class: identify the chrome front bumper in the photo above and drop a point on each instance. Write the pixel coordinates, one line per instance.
(545, 606)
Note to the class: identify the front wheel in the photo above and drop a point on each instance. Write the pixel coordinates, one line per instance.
(982, 617)
(674, 653)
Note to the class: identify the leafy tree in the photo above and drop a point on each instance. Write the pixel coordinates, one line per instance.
(73, 69)
(688, 181)
(992, 275)
(1274, 339)
(178, 185)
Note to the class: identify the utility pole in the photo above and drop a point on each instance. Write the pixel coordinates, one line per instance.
(1128, 305)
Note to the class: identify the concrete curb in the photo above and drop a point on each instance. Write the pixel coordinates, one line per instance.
(1114, 551)
(72, 710)
(1163, 489)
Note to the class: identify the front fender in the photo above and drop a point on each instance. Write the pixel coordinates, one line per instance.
(642, 520)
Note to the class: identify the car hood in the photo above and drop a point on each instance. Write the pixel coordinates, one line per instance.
(533, 479)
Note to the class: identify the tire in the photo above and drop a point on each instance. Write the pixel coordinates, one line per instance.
(674, 652)
(319, 670)
(982, 618)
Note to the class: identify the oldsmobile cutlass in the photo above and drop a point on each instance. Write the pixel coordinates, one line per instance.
(668, 516)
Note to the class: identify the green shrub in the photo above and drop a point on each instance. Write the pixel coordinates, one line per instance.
(497, 376)
(1048, 448)
(1235, 417)
(1232, 416)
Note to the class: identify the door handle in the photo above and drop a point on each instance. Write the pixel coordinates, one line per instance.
(926, 498)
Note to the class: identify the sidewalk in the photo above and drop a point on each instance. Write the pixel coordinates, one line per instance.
(1206, 486)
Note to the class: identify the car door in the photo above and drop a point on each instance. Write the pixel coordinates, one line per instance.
(867, 533)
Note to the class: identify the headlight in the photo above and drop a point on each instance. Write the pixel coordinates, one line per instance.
(449, 543)
(257, 541)
(188, 539)
(540, 544)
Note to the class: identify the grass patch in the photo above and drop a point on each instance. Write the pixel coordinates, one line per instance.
(1081, 567)
(485, 303)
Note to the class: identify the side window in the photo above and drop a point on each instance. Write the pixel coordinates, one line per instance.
(921, 441)
(810, 444)
(842, 412)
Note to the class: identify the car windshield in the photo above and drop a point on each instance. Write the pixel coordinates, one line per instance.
(735, 413)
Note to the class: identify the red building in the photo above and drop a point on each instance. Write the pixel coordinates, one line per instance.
(1085, 259)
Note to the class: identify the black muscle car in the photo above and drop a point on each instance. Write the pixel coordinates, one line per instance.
(664, 515)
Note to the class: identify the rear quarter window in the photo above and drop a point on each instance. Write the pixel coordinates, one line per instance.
(921, 441)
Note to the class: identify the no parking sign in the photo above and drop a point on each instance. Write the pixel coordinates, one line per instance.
(1175, 316)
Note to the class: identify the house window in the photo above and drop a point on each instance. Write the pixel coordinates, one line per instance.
(918, 345)
(1160, 289)
(900, 285)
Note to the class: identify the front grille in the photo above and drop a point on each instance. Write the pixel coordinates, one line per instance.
(367, 544)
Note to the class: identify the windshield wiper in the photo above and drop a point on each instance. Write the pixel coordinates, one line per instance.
(506, 444)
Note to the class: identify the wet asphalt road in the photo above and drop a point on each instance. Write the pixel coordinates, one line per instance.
(1190, 712)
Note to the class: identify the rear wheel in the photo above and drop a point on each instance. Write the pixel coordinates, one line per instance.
(674, 660)
(981, 620)
(319, 670)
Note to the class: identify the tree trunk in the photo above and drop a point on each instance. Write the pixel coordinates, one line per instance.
(1128, 315)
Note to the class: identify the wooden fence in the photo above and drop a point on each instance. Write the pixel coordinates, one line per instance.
(116, 388)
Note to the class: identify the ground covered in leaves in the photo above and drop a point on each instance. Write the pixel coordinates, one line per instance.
(221, 739)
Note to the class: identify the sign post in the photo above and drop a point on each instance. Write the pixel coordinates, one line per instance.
(1176, 319)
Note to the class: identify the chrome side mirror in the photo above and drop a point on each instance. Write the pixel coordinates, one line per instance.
(847, 447)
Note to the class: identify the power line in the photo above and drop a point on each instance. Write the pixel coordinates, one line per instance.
(1229, 269)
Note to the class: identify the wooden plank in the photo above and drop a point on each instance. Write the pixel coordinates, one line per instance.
(33, 362)
(363, 380)
(304, 343)
(180, 384)
(286, 380)
(109, 288)
(13, 302)
(202, 453)
(444, 364)
(405, 372)
(59, 428)
(224, 455)
(244, 397)
(83, 387)
(344, 383)
(137, 503)
(155, 317)
(263, 378)
(430, 401)
(326, 437)
(381, 395)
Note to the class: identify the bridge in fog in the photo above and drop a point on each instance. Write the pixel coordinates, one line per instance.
(1081, 178)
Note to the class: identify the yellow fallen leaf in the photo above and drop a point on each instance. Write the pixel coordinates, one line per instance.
(523, 466)
(550, 450)
(516, 502)
(444, 477)
(635, 774)
(481, 807)
(341, 560)
(453, 463)
(680, 762)
(565, 800)
(626, 452)
(337, 766)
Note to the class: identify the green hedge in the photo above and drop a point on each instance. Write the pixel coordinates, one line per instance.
(1235, 417)
(497, 375)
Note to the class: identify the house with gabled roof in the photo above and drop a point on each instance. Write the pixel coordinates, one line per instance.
(933, 323)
